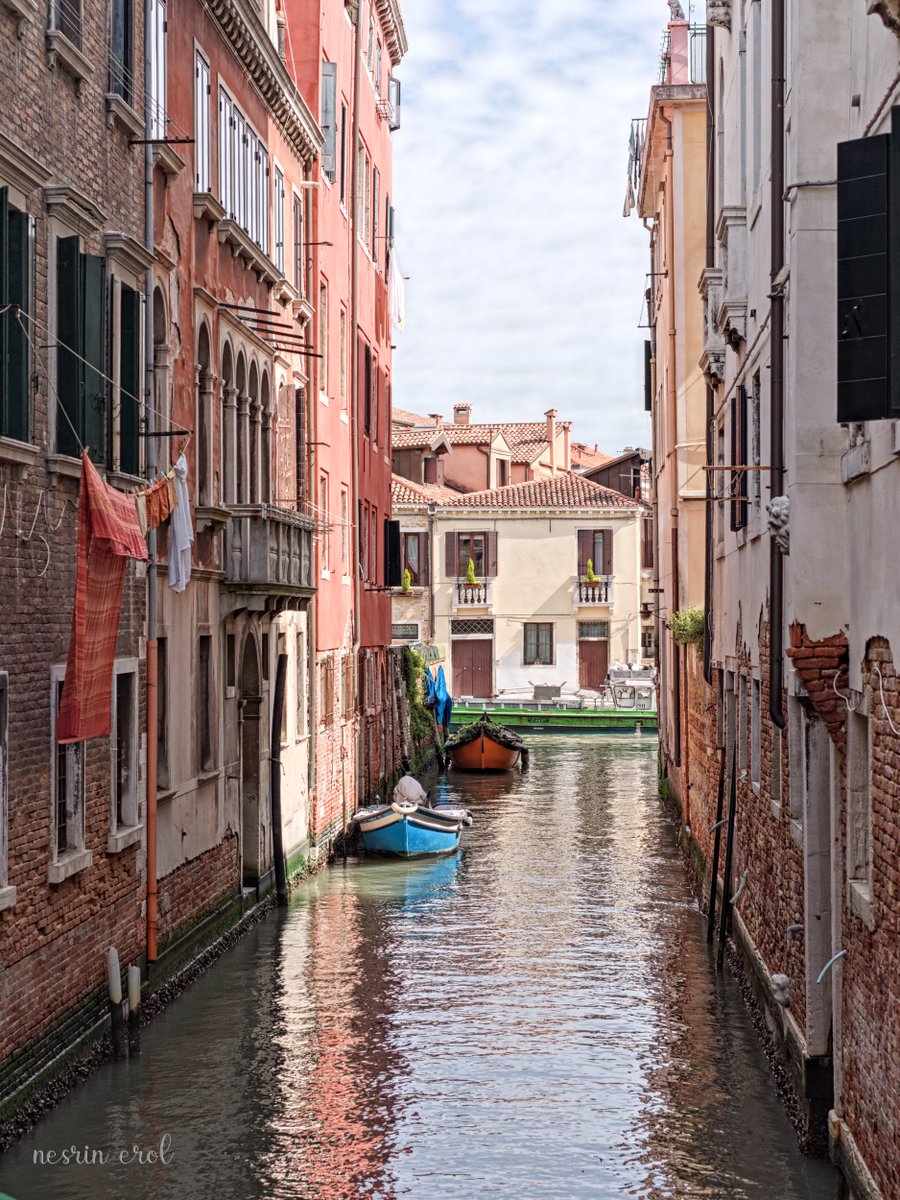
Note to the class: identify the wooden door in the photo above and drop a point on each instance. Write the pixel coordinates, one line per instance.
(473, 667)
(593, 663)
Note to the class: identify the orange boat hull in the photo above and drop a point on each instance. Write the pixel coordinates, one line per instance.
(483, 754)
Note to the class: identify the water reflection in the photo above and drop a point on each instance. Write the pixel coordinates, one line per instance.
(534, 1016)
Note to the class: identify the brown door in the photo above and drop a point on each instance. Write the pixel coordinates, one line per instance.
(472, 667)
(593, 663)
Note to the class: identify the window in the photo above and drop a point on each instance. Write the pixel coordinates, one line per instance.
(363, 525)
(739, 458)
(796, 759)
(755, 445)
(121, 34)
(67, 19)
(67, 795)
(202, 93)
(414, 552)
(463, 627)
(300, 684)
(329, 119)
(343, 154)
(370, 42)
(16, 240)
(278, 249)
(324, 521)
(405, 631)
(596, 546)
(388, 232)
(299, 272)
(81, 351)
(345, 532)
(347, 694)
(323, 337)
(363, 196)
(343, 357)
(648, 554)
(480, 548)
(378, 54)
(157, 87)
(742, 726)
(755, 731)
(326, 690)
(755, 97)
(376, 185)
(538, 644)
(9, 897)
(206, 759)
(124, 743)
(364, 385)
(859, 811)
(502, 472)
(127, 404)
(373, 545)
(162, 712)
(243, 172)
(593, 630)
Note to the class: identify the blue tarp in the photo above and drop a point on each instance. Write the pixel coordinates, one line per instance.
(444, 701)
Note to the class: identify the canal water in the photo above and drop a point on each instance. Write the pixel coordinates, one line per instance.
(536, 1016)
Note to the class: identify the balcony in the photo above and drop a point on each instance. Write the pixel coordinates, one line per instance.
(472, 595)
(268, 557)
(598, 592)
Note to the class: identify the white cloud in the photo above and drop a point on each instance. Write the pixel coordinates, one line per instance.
(510, 170)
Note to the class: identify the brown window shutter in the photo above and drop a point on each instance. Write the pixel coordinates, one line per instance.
(424, 565)
(491, 564)
(451, 547)
(607, 552)
(585, 542)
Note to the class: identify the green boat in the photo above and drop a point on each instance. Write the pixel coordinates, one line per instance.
(541, 717)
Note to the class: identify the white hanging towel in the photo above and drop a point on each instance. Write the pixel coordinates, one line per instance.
(181, 530)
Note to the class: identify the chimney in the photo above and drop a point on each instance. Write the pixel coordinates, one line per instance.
(567, 449)
(550, 414)
(461, 413)
(437, 418)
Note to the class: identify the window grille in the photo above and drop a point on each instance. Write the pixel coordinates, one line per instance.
(460, 628)
(405, 632)
(593, 629)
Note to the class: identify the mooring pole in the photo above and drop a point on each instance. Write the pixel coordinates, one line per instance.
(729, 854)
(275, 779)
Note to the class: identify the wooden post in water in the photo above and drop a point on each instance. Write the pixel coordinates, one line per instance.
(275, 780)
(116, 1015)
(717, 842)
(729, 855)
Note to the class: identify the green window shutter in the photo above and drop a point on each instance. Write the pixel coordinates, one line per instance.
(17, 406)
(94, 386)
(69, 301)
(129, 380)
(6, 318)
(329, 115)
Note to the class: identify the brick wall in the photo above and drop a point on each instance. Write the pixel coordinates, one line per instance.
(198, 886)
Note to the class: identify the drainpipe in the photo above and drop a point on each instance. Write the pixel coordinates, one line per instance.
(309, 494)
(776, 560)
(152, 645)
(356, 183)
(710, 395)
(432, 566)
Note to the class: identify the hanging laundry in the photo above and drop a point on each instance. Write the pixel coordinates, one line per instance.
(182, 530)
(155, 504)
(108, 533)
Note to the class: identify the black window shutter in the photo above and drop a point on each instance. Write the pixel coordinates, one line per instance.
(424, 566)
(393, 573)
(585, 551)
(69, 298)
(607, 552)
(648, 375)
(129, 380)
(863, 265)
(491, 547)
(367, 390)
(94, 316)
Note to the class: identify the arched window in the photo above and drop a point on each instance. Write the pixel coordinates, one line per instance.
(242, 464)
(203, 421)
(229, 428)
(255, 435)
(267, 429)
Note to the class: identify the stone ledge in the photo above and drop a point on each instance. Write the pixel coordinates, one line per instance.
(846, 1156)
(70, 864)
(7, 897)
(123, 838)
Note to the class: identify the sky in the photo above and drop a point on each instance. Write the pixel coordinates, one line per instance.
(524, 281)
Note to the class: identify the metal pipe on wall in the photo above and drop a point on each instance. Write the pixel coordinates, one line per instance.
(710, 395)
(354, 375)
(776, 358)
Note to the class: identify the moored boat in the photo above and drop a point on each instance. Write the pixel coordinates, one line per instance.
(409, 829)
(485, 746)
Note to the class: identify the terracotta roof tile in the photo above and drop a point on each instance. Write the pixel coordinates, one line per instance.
(564, 490)
(404, 491)
(402, 416)
(586, 457)
(528, 435)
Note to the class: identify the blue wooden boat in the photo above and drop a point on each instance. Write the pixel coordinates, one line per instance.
(410, 829)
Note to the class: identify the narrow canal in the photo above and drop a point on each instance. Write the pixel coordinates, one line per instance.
(536, 1016)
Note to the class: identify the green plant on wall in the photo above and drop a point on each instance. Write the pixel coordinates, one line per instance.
(470, 573)
(407, 580)
(420, 719)
(590, 577)
(686, 625)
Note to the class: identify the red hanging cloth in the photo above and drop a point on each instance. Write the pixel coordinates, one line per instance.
(108, 533)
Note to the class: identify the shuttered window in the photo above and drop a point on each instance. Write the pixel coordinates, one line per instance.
(595, 545)
(278, 248)
(158, 26)
(121, 79)
(863, 275)
(243, 172)
(738, 485)
(201, 124)
(16, 242)
(129, 380)
(414, 550)
(329, 119)
(480, 548)
(80, 351)
(393, 570)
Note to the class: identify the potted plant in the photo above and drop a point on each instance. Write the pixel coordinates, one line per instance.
(590, 577)
(471, 581)
(406, 586)
(687, 625)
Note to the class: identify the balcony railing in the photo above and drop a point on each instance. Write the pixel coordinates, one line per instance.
(269, 550)
(600, 591)
(472, 595)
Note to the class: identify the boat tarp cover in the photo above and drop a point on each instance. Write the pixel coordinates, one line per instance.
(497, 733)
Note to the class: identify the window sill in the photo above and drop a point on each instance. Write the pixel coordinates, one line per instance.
(208, 208)
(123, 838)
(796, 831)
(211, 515)
(861, 902)
(70, 864)
(243, 247)
(119, 112)
(170, 163)
(325, 574)
(25, 10)
(285, 290)
(21, 453)
(123, 481)
(62, 464)
(61, 52)
(7, 897)
(323, 399)
(855, 462)
(345, 416)
(302, 310)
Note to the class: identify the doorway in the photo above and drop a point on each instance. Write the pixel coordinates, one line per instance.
(252, 815)
(593, 663)
(473, 660)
